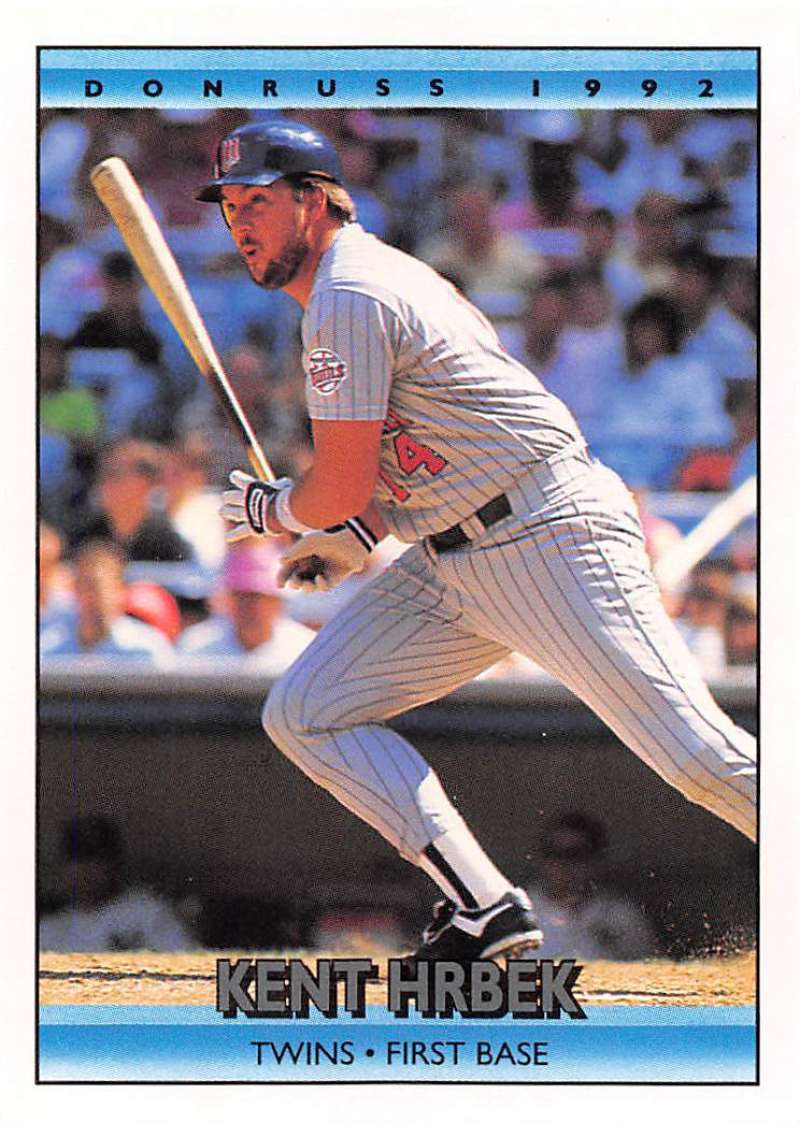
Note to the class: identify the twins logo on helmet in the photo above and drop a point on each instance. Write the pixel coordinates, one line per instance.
(326, 370)
(229, 154)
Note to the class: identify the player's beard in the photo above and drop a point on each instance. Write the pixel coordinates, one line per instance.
(281, 270)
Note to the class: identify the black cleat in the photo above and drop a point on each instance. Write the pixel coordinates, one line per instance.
(507, 928)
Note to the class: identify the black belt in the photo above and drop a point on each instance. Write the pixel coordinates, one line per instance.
(491, 513)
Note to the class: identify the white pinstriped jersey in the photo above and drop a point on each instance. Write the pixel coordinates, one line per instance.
(563, 579)
(386, 338)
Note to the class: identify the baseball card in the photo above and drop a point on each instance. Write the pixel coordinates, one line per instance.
(398, 571)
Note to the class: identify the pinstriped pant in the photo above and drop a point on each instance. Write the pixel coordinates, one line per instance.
(564, 580)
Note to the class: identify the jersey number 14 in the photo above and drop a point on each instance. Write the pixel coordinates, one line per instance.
(411, 456)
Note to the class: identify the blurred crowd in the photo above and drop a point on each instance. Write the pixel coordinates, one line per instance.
(614, 251)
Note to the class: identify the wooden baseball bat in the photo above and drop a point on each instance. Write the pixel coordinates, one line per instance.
(120, 194)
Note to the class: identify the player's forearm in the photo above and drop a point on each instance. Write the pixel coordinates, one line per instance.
(343, 475)
(372, 518)
(319, 501)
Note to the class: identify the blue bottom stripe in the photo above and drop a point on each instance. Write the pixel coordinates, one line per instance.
(628, 1044)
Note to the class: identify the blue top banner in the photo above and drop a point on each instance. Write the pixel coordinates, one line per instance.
(393, 77)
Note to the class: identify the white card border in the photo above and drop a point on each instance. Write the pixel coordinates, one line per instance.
(773, 27)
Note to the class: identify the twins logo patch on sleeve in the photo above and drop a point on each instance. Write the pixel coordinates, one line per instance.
(326, 370)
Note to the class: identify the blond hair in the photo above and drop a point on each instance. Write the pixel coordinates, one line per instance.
(341, 205)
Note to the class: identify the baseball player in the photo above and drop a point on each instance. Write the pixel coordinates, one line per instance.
(425, 428)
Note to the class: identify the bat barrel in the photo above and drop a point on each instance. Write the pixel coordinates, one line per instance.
(119, 192)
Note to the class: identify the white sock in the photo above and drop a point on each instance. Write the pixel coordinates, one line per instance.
(461, 869)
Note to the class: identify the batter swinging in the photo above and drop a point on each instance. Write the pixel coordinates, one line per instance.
(426, 429)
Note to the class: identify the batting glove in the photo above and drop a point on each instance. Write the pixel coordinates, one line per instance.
(322, 559)
(248, 506)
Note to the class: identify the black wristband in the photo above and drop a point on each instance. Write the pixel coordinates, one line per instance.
(256, 503)
(362, 532)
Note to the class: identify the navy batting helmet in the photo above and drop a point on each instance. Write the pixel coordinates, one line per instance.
(256, 155)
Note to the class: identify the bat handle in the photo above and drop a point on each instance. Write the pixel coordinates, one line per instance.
(259, 464)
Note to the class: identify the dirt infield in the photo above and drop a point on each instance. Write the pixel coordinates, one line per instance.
(159, 979)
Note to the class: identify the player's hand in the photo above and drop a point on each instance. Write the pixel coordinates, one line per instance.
(248, 506)
(322, 559)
